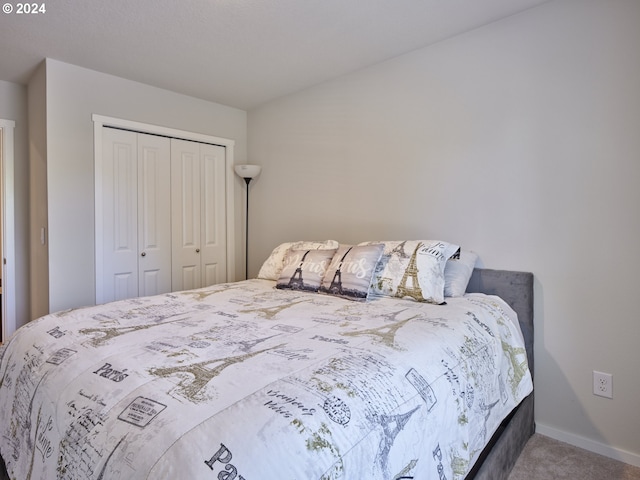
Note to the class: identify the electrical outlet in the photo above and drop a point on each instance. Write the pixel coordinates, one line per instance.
(602, 384)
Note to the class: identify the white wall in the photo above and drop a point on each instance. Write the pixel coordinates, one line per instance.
(518, 140)
(13, 106)
(73, 94)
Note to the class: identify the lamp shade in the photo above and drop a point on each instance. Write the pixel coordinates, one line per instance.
(248, 171)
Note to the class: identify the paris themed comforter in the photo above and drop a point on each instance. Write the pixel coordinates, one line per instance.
(244, 381)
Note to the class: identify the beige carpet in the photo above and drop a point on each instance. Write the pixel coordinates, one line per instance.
(544, 458)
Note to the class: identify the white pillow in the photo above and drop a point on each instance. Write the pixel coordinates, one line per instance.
(457, 273)
(272, 266)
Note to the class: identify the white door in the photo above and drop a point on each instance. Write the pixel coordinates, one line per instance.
(213, 215)
(198, 209)
(136, 222)
(154, 215)
(120, 214)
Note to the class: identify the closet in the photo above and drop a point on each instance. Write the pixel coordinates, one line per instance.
(163, 216)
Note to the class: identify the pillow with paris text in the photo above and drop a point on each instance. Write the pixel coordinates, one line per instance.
(457, 273)
(304, 269)
(272, 266)
(412, 269)
(350, 272)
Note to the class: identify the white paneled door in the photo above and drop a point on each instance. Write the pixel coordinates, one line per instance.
(154, 215)
(198, 214)
(136, 183)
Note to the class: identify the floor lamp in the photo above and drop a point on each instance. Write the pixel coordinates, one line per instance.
(248, 172)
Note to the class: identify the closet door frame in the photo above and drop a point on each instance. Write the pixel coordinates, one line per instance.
(100, 121)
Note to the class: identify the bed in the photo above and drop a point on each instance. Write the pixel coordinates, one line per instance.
(247, 380)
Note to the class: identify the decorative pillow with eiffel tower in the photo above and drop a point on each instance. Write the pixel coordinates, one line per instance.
(412, 269)
(272, 266)
(304, 269)
(349, 274)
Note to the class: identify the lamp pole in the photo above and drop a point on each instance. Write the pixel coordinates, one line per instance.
(246, 233)
(247, 172)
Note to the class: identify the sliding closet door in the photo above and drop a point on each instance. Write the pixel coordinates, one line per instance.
(198, 210)
(136, 223)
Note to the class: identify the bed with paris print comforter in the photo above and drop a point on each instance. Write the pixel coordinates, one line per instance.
(245, 381)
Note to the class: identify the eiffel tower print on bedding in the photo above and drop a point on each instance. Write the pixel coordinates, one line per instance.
(248, 381)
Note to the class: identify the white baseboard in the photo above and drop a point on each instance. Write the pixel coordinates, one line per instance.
(588, 444)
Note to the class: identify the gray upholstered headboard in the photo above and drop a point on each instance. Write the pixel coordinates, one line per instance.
(515, 288)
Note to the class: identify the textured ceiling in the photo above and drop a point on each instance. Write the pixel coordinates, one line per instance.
(240, 53)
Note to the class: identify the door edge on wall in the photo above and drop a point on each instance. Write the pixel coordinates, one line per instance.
(9, 325)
